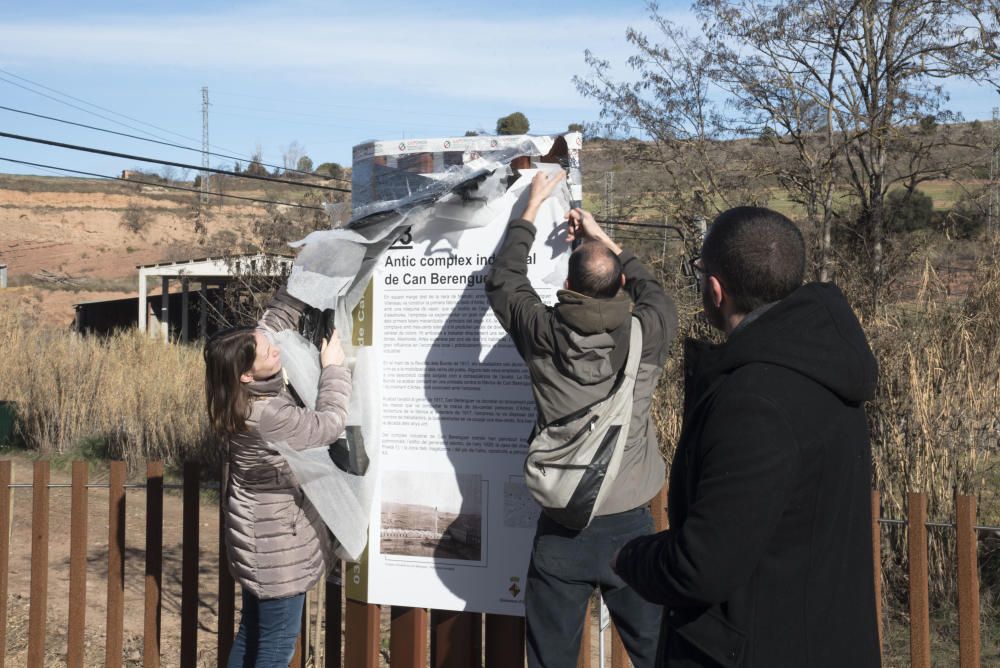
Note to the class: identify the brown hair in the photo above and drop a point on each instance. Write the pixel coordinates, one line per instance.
(228, 355)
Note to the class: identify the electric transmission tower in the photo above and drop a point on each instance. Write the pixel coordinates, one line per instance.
(204, 144)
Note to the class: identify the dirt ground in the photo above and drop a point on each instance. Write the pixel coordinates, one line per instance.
(18, 600)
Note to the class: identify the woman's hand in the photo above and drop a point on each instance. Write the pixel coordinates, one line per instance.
(332, 351)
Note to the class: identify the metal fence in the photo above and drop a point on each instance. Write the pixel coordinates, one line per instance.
(416, 638)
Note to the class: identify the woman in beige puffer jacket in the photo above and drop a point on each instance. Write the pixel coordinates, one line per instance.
(276, 543)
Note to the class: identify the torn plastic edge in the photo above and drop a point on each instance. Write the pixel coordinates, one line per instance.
(454, 178)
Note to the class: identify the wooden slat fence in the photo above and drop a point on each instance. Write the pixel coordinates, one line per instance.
(417, 637)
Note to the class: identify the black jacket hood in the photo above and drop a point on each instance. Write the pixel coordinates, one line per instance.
(813, 331)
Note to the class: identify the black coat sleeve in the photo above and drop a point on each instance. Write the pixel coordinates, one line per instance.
(746, 456)
(654, 308)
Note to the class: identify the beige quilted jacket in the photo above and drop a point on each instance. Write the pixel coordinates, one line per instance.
(275, 540)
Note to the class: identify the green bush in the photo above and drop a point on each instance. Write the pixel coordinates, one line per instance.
(513, 124)
(965, 220)
(908, 210)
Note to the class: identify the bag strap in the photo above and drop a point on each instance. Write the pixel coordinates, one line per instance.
(634, 348)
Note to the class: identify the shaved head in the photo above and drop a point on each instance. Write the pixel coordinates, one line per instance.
(594, 271)
(758, 255)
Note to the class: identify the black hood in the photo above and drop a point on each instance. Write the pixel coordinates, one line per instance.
(813, 332)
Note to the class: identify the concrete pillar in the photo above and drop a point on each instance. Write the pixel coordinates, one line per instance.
(185, 303)
(143, 305)
(203, 311)
(165, 310)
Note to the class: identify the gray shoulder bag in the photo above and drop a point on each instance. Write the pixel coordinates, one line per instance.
(573, 461)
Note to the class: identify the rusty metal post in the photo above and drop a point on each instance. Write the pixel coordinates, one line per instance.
(77, 567)
(39, 564)
(968, 583)
(920, 625)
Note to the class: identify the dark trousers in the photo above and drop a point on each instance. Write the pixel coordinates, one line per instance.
(268, 629)
(565, 567)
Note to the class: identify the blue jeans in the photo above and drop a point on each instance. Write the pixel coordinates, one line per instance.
(566, 566)
(268, 630)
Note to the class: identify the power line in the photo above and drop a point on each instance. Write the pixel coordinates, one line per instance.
(159, 185)
(115, 154)
(96, 106)
(155, 141)
(86, 111)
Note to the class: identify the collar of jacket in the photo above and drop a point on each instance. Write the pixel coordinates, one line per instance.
(269, 387)
(588, 315)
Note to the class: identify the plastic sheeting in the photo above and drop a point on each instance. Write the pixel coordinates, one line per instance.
(343, 500)
(334, 268)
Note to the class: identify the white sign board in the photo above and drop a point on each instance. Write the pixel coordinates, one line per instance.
(452, 522)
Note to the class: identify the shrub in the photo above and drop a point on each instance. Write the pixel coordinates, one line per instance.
(134, 218)
(966, 219)
(908, 210)
(513, 124)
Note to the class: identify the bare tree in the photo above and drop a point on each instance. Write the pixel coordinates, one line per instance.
(840, 88)
(291, 155)
(671, 104)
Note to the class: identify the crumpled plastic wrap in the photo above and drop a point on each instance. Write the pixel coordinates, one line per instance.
(343, 500)
(333, 270)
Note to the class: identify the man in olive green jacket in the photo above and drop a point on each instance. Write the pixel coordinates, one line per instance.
(574, 352)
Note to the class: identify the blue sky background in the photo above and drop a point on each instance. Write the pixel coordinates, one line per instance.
(327, 75)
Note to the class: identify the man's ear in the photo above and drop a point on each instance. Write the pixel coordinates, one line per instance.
(246, 377)
(716, 291)
(566, 284)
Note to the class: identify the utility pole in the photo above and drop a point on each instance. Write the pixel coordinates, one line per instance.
(204, 145)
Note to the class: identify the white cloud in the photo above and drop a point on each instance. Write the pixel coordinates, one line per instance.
(482, 59)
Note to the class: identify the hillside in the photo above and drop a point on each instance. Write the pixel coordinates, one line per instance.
(67, 240)
(63, 239)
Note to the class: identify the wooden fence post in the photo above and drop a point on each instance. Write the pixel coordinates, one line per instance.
(920, 625)
(968, 583)
(78, 513)
(504, 641)
(456, 639)
(408, 637)
(5, 517)
(619, 657)
(115, 620)
(877, 562)
(334, 620)
(362, 629)
(153, 595)
(39, 564)
(189, 566)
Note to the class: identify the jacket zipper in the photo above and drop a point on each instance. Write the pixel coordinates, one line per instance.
(585, 428)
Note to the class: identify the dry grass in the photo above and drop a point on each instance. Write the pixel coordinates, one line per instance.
(935, 422)
(125, 397)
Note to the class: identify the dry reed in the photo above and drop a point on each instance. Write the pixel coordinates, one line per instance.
(125, 396)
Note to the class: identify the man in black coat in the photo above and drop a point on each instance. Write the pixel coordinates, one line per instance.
(768, 559)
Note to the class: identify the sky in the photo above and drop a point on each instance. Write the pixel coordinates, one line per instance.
(324, 74)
